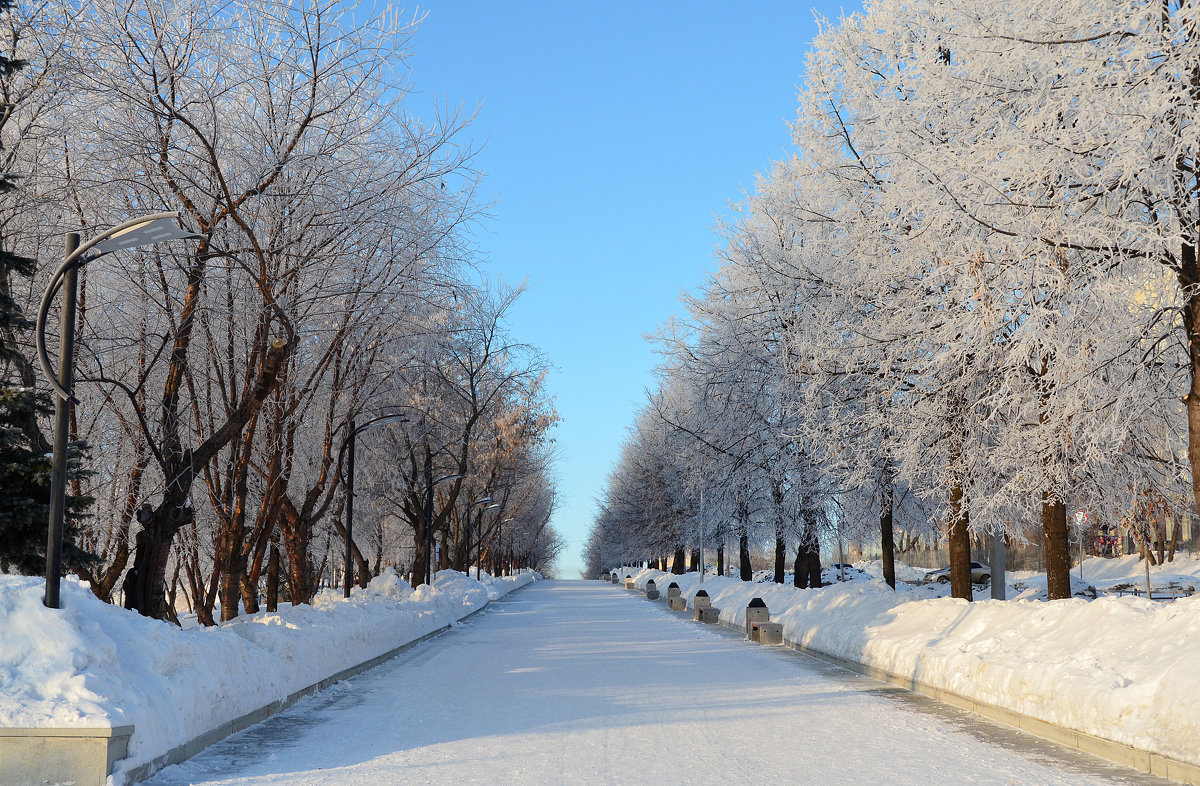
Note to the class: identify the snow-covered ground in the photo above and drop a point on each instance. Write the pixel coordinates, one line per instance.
(579, 683)
(1123, 668)
(91, 664)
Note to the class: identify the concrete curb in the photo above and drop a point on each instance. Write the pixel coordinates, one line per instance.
(187, 750)
(88, 756)
(1116, 752)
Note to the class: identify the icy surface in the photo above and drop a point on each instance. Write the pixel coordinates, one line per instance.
(1122, 668)
(581, 682)
(90, 664)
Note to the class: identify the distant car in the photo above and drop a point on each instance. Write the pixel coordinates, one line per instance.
(980, 574)
(840, 565)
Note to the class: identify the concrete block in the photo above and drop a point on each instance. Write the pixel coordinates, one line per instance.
(629, 585)
(84, 757)
(757, 611)
(767, 632)
(672, 590)
(707, 614)
(701, 600)
(651, 593)
(677, 603)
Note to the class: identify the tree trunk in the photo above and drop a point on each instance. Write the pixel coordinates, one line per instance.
(780, 556)
(153, 549)
(296, 543)
(959, 541)
(162, 523)
(814, 565)
(273, 580)
(886, 534)
(1189, 283)
(721, 560)
(1056, 543)
(800, 567)
(747, 573)
(677, 566)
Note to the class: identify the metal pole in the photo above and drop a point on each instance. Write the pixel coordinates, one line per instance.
(1081, 553)
(998, 580)
(350, 511)
(479, 540)
(62, 423)
(467, 532)
(701, 535)
(429, 532)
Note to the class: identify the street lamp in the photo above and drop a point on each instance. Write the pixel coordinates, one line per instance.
(500, 544)
(348, 479)
(472, 506)
(144, 231)
(429, 525)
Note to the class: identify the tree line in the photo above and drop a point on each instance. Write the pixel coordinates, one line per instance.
(333, 281)
(968, 302)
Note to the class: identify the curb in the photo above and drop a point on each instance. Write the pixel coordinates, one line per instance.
(187, 750)
(1116, 752)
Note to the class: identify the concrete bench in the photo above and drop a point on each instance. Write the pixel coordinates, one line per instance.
(651, 590)
(707, 614)
(757, 611)
(677, 603)
(767, 632)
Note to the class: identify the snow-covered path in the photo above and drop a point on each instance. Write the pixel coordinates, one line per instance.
(582, 682)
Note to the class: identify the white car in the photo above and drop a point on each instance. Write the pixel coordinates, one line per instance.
(980, 574)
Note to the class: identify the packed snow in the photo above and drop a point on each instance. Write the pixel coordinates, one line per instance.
(1120, 667)
(582, 683)
(91, 664)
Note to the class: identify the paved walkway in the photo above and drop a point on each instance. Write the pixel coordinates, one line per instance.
(583, 682)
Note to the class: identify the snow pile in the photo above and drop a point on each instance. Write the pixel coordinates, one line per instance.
(90, 664)
(1123, 668)
(1128, 574)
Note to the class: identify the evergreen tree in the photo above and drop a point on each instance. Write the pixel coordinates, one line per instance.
(24, 452)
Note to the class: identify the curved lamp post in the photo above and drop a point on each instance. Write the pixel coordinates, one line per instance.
(500, 544)
(144, 231)
(348, 479)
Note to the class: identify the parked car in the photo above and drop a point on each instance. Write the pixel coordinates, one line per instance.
(980, 574)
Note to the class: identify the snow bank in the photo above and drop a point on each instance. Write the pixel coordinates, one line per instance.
(90, 664)
(1123, 668)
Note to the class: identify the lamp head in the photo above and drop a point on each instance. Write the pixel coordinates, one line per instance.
(156, 230)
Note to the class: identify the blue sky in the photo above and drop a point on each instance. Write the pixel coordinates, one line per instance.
(614, 135)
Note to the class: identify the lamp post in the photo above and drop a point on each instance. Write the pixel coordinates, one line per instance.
(348, 479)
(701, 536)
(500, 544)
(472, 506)
(144, 231)
(429, 525)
